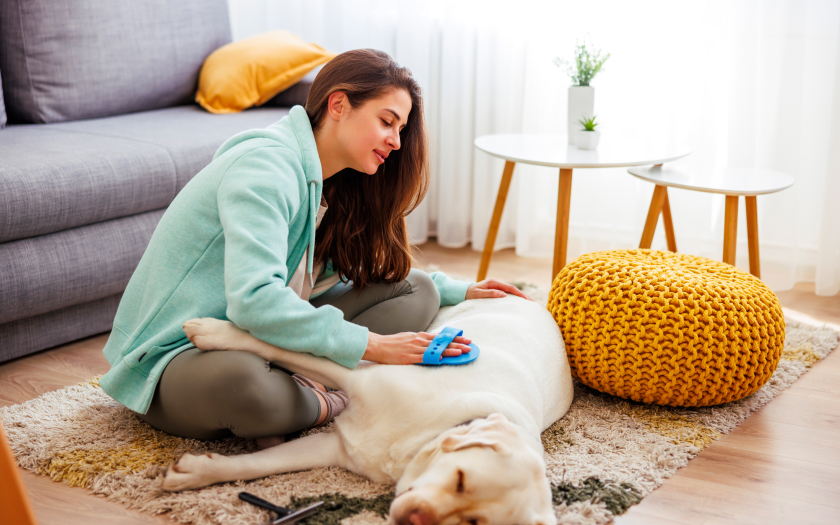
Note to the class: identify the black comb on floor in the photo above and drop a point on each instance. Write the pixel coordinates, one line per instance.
(284, 515)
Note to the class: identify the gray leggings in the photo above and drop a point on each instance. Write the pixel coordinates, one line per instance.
(210, 395)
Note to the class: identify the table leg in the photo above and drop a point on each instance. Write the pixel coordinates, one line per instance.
(493, 230)
(669, 225)
(16, 505)
(752, 234)
(730, 229)
(561, 229)
(660, 194)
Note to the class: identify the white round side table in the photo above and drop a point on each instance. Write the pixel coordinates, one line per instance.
(732, 182)
(614, 151)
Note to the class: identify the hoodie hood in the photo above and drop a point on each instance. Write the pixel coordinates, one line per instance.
(314, 177)
(291, 129)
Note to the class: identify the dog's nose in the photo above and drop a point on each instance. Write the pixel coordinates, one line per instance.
(417, 517)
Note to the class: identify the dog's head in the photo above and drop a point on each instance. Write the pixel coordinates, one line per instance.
(485, 475)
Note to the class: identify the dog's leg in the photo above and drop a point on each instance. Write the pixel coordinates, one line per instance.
(207, 333)
(318, 450)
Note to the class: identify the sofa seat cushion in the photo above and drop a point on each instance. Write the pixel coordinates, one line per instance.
(189, 134)
(60, 176)
(51, 180)
(27, 336)
(50, 272)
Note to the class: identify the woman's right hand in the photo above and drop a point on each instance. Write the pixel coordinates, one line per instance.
(407, 348)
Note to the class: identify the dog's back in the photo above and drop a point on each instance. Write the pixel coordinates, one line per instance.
(522, 373)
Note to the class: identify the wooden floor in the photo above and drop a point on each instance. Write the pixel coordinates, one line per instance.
(781, 466)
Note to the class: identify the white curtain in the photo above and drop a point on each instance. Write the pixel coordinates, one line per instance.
(744, 83)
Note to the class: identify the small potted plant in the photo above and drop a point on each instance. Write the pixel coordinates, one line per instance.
(588, 63)
(588, 137)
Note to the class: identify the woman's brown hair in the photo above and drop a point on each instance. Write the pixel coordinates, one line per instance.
(364, 232)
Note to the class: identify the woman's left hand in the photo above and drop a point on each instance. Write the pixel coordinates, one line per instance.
(493, 288)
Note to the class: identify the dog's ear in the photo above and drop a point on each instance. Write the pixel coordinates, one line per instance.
(453, 443)
(491, 432)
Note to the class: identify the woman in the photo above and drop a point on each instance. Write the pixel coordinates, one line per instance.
(239, 243)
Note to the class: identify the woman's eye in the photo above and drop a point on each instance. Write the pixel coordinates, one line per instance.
(388, 124)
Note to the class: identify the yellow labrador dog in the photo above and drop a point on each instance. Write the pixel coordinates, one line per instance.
(462, 443)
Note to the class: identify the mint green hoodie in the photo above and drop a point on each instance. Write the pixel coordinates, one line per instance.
(225, 248)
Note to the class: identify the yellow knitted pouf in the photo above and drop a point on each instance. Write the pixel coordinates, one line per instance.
(666, 328)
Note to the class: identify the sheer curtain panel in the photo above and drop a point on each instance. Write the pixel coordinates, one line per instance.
(743, 83)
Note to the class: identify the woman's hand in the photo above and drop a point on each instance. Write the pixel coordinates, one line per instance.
(493, 288)
(407, 348)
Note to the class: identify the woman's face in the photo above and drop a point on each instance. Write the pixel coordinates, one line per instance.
(371, 132)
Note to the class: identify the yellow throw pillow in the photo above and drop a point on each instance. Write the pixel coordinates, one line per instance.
(250, 72)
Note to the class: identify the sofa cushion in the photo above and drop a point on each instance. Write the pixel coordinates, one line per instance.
(52, 180)
(78, 59)
(251, 72)
(60, 176)
(26, 336)
(189, 134)
(54, 271)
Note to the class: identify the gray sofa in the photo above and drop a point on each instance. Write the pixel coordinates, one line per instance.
(99, 135)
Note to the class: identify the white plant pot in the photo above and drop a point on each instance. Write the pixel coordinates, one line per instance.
(581, 104)
(587, 139)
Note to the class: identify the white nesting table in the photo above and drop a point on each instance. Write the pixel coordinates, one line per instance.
(732, 182)
(614, 151)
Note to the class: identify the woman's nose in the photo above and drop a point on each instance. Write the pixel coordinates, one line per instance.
(394, 141)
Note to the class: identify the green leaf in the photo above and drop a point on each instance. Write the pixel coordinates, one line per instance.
(588, 123)
(588, 63)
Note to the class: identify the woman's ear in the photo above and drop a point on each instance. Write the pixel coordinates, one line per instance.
(337, 105)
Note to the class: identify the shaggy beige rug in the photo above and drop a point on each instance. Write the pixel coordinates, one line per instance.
(603, 456)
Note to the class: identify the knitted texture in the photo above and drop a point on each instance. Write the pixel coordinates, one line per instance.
(667, 328)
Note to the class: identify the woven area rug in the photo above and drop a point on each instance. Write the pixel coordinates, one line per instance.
(605, 455)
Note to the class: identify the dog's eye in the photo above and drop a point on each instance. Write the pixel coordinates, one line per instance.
(461, 482)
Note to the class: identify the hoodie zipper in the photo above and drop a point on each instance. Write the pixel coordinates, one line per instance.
(313, 213)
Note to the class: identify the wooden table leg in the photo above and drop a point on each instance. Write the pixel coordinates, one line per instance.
(669, 225)
(561, 229)
(730, 229)
(752, 234)
(660, 194)
(493, 230)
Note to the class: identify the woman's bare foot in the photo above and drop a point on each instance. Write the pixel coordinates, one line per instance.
(207, 333)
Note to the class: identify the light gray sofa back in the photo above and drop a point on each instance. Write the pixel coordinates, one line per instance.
(80, 59)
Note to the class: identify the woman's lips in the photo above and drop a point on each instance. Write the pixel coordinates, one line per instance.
(379, 156)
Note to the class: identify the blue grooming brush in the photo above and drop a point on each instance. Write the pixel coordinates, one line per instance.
(434, 353)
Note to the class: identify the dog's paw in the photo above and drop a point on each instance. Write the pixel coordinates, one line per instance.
(193, 472)
(207, 333)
